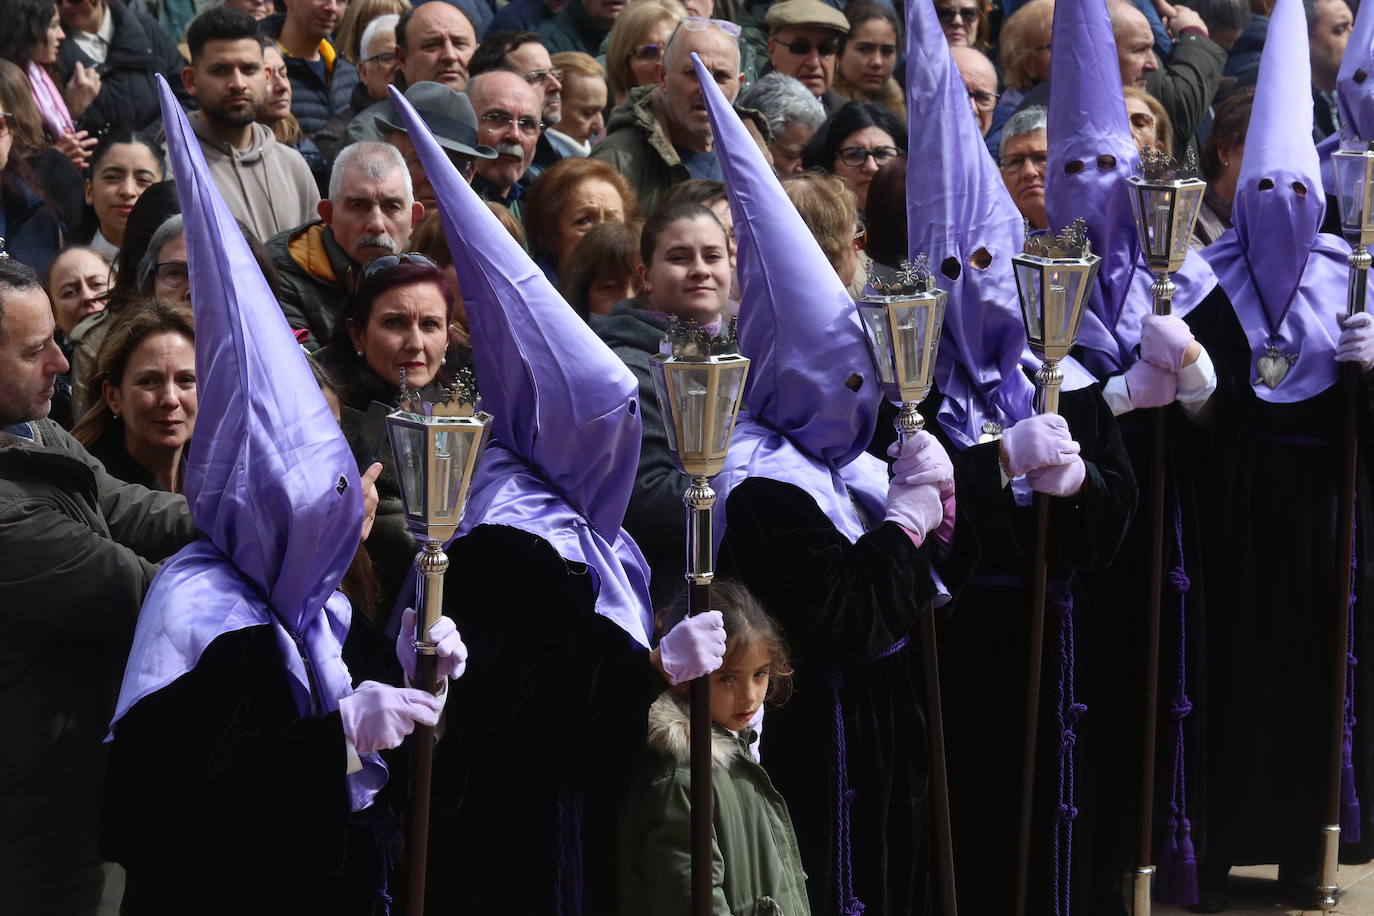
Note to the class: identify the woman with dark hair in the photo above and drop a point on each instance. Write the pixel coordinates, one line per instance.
(1222, 156)
(603, 269)
(854, 143)
(567, 201)
(33, 234)
(868, 55)
(143, 421)
(31, 41)
(124, 164)
(54, 176)
(397, 320)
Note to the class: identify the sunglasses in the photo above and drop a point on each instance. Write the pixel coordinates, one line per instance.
(856, 156)
(647, 52)
(388, 261)
(948, 14)
(802, 47)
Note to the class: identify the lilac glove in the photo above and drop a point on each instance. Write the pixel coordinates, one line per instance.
(1037, 442)
(1356, 344)
(693, 648)
(1164, 341)
(922, 459)
(1058, 479)
(452, 653)
(917, 507)
(379, 716)
(1150, 386)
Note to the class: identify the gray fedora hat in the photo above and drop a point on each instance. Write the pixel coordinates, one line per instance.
(447, 114)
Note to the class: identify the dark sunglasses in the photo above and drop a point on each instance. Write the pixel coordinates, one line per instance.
(948, 14)
(802, 47)
(647, 52)
(388, 261)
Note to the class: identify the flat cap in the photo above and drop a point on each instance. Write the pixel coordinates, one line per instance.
(808, 13)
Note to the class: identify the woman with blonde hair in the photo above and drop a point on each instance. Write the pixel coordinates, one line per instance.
(356, 15)
(827, 206)
(1149, 123)
(635, 45)
(1024, 52)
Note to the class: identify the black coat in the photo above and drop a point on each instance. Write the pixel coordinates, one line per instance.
(314, 100)
(128, 94)
(32, 232)
(545, 729)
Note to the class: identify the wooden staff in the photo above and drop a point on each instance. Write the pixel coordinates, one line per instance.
(432, 563)
(700, 499)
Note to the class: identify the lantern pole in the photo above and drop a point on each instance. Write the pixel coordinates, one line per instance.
(1355, 193)
(1053, 277)
(906, 316)
(1166, 205)
(436, 449)
(699, 382)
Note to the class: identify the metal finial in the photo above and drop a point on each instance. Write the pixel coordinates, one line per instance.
(1155, 166)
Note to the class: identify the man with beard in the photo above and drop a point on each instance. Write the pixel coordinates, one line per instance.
(522, 53)
(370, 212)
(267, 185)
(509, 121)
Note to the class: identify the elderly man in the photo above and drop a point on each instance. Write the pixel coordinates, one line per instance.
(522, 53)
(1185, 85)
(77, 549)
(377, 67)
(267, 185)
(582, 25)
(450, 118)
(662, 135)
(321, 80)
(370, 212)
(803, 40)
(112, 50)
(793, 115)
(980, 79)
(1024, 154)
(508, 120)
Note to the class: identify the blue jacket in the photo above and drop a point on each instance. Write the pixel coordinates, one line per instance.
(32, 233)
(313, 100)
(520, 16)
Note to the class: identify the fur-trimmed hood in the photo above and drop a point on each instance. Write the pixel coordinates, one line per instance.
(669, 733)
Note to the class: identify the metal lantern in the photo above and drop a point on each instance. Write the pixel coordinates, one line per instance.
(1166, 199)
(902, 320)
(1355, 192)
(1054, 275)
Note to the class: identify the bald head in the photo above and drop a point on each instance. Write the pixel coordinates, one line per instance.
(683, 107)
(1135, 43)
(980, 79)
(435, 41)
(709, 40)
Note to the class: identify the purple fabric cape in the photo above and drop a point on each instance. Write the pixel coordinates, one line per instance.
(566, 429)
(1285, 280)
(270, 480)
(958, 205)
(1087, 121)
(801, 423)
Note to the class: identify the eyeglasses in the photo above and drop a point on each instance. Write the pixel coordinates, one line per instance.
(948, 14)
(502, 120)
(860, 237)
(386, 58)
(388, 261)
(174, 273)
(701, 24)
(982, 100)
(1017, 163)
(537, 77)
(802, 47)
(856, 156)
(1044, 47)
(647, 52)
(6, 122)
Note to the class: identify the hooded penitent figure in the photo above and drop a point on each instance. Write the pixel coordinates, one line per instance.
(552, 592)
(962, 219)
(233, 763)
(1276, 436)
(1091, 156)
(1354, 94)
(804, 528)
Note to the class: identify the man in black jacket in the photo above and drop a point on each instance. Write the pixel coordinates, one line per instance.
(125, 47)
(75, 552)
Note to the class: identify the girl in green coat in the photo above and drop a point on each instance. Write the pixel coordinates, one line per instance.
(757, 869)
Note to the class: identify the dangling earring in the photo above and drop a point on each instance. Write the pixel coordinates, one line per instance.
(358, 353)
(443, 361)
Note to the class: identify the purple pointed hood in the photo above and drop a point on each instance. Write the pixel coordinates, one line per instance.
(1355, 79)
(805, 420)
(1286, 281)
(565, 410)
(270, 479)
(1091, 155)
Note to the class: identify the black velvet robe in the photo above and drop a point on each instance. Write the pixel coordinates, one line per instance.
(983, 664)
(222, 798)
(544, 731)
(1269, 512)
(841, 606)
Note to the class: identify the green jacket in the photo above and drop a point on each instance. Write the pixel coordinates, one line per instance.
(638, 146)
(756, 867)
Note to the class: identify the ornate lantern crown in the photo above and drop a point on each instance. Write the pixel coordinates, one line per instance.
(1165, 199)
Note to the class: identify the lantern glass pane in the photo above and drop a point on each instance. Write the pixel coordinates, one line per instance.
(692, 390)
(1185, 218)
(451, 448)
(1063, 288)
(874, 318)
(912, 324)
(1157, 210)
(730, 384)
(1028, 279)
(665, 407)
(408, 452)
(1351, 179)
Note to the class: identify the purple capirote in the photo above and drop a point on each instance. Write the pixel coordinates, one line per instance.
(811, 399)
(566, 428)
(1354, 95)
(1286, 280)
(270, 480)
(1092, 154)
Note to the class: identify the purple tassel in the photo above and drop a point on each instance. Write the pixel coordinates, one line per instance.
(1350, 802)
(1176, 875)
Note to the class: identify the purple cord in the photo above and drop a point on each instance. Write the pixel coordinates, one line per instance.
(1068, 713)
(1350, 801)
(567, 882)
